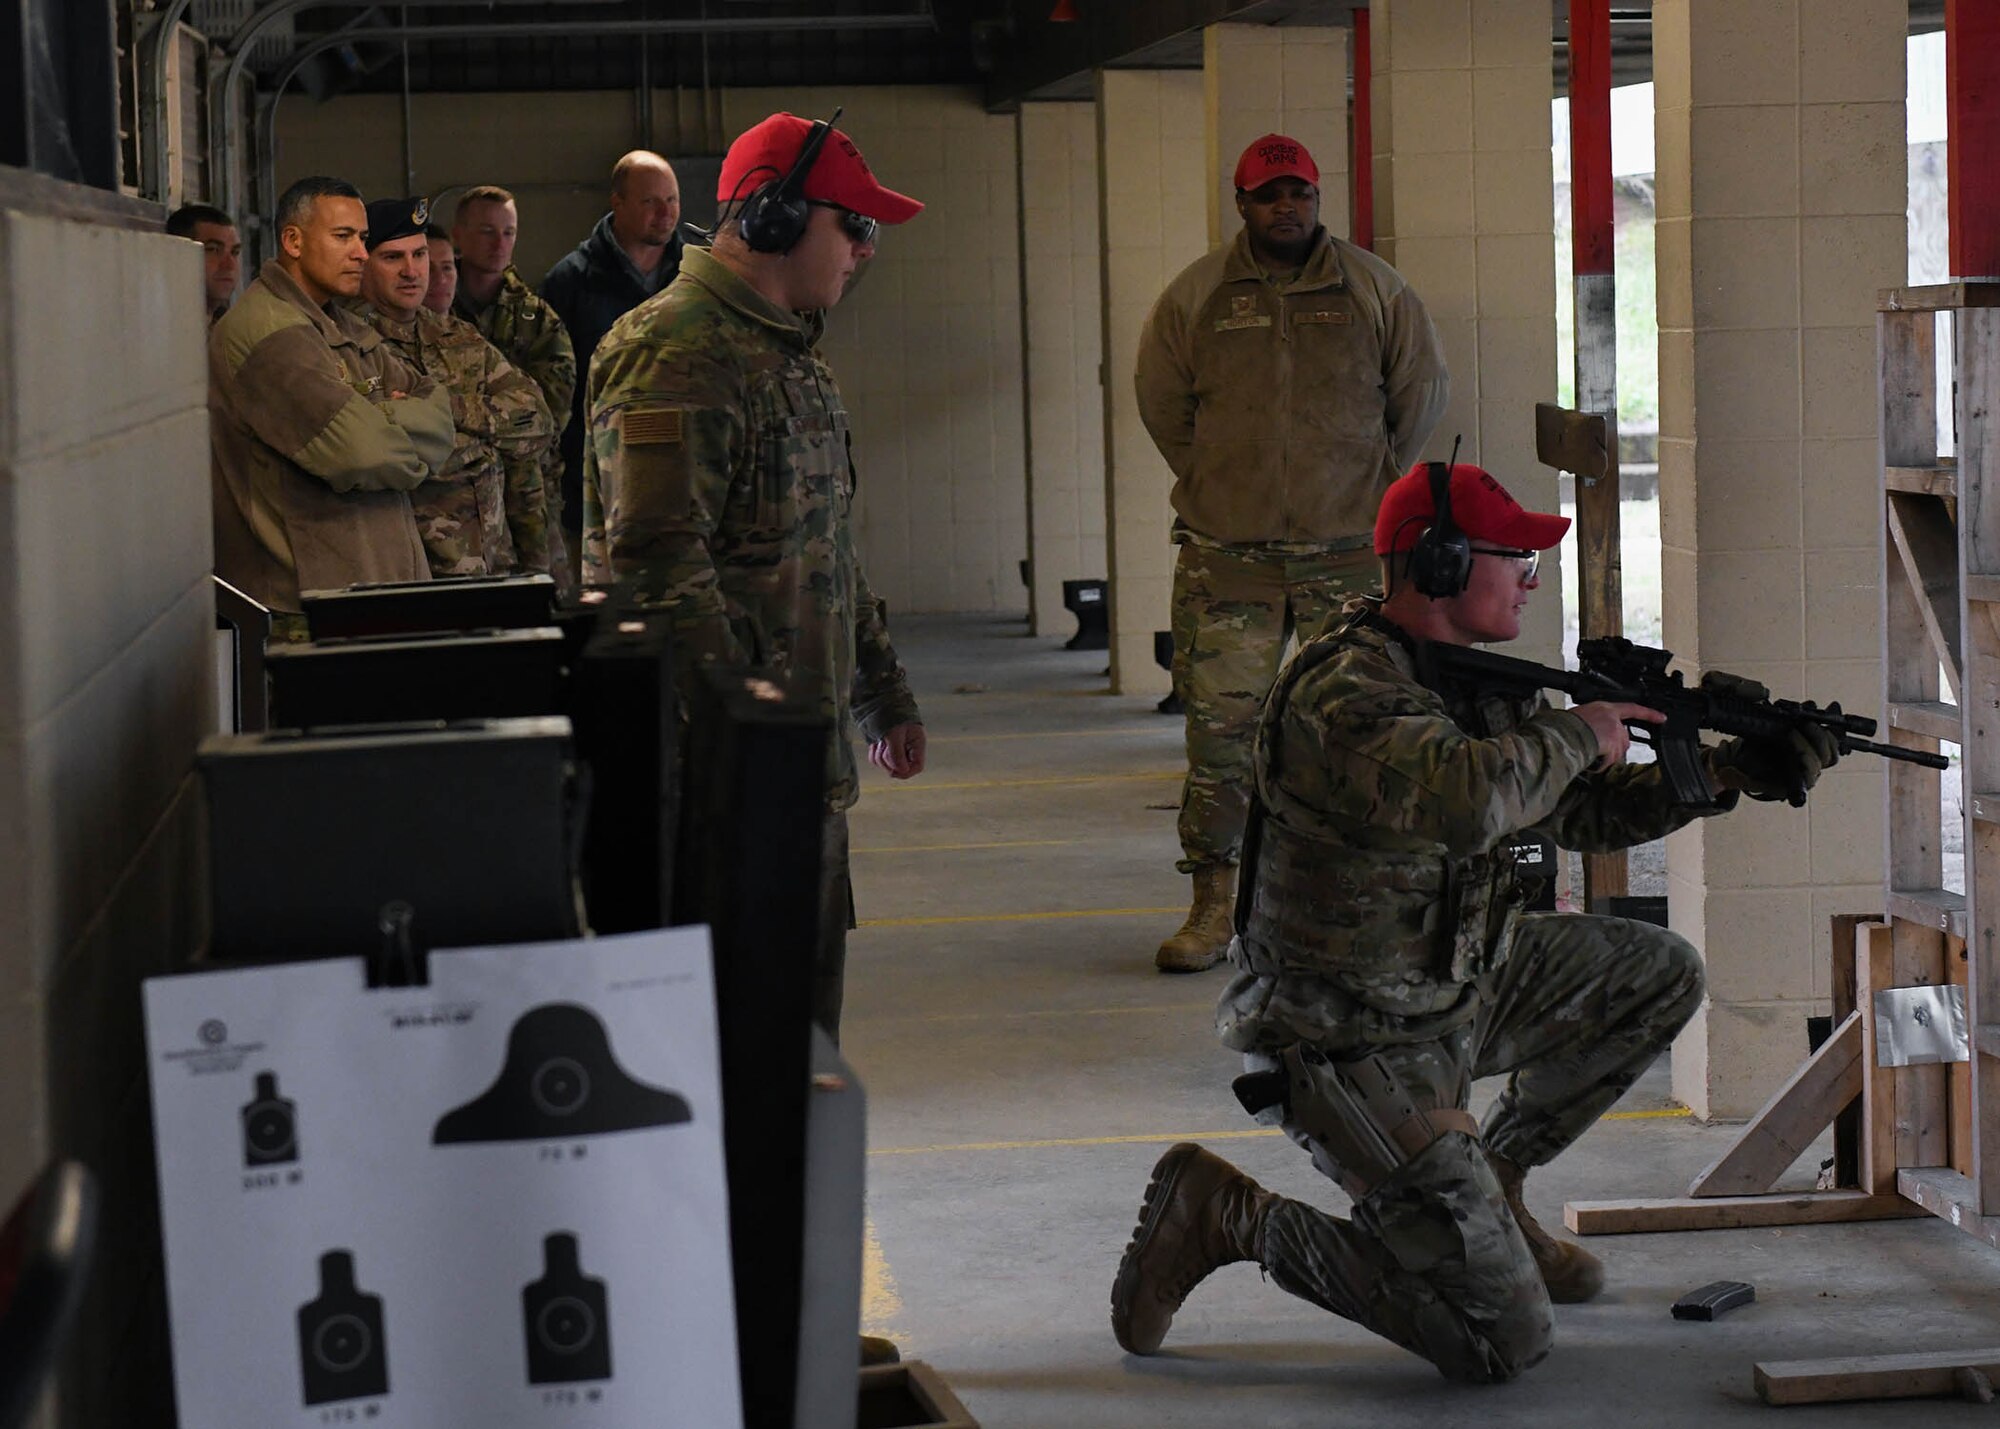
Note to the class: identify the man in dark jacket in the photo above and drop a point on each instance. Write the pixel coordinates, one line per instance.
(632, 253)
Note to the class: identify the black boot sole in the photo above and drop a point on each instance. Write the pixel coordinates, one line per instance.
(1159, 1192)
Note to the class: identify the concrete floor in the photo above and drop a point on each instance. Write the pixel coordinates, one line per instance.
(1025, 1066)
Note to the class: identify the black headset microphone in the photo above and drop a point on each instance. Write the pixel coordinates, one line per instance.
(1440, 564)
(774, 217)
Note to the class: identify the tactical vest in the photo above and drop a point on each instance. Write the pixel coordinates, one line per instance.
(1363, 905)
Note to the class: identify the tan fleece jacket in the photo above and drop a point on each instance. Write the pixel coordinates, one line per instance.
(1286, 411)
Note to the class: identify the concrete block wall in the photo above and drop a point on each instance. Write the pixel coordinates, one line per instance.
(927, 347)
(1063, 354)
(1781, 191)
(106, 684)
(1151, 147)
(1264, 79)
(1464, 208)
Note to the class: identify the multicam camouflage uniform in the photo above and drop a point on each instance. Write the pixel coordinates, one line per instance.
(718, 472)
(1382, 922)
(484, 513)
(1235, 608)
(530, 335)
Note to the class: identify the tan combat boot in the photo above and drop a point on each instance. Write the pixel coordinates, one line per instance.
(1204, 937)
(1199, 1213)
(1572, 1274)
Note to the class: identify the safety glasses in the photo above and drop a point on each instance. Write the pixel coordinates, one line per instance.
(1530, 561)
(859, 227)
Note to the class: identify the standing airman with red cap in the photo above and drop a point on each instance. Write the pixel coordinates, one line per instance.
(1287, 379)
(718, 471)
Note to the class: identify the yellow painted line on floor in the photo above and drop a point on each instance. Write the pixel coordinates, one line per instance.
(905, 786)
(1208, 1006)
(955, 848)
(1160, 729)
(1651, 1114)
(880, 1302)
(1016, 917)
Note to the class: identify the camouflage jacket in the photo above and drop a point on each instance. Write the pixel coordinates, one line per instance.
(318, 431)
(483, 513)
(719, 473)
(1383, 886)
(529, 334)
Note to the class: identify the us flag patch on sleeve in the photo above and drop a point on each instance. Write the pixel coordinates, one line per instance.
(659, 427)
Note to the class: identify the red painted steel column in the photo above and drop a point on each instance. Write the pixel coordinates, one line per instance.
(1600, 571)
(1363, 129)
(1972, 136)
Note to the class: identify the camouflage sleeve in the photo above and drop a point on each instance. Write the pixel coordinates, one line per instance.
(1164, 379)
(527, 512)
(881, 698)
(551, 361)
(1381, 750)
(668, 448)
(1415, 385)
(1606, 810)
(522, 422)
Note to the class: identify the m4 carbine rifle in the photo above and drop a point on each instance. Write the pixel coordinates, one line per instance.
(1615, 669)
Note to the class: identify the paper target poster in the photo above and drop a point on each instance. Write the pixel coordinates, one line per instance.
(498, 1200)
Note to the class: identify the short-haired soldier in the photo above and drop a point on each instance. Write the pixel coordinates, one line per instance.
(720, 475)
(483, 513)
(318, 430)
(1383, 960)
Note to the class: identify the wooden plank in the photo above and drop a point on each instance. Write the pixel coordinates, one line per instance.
(1874, 964)
(1937, 297)
(1948, 1196)
(1847, 1126)
(1938, 480)
(1785, 1126)
(1978, 364)
(1721, 1213)
(1906, 372)
(1984, 806)
(1923, 1108)
(1938, 910)
(1958, 1075)
(1909, 1376)
(1933, 719)
(1927, 541)
(1980, 586)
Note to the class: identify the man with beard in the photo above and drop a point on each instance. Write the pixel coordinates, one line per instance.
(1286, 379)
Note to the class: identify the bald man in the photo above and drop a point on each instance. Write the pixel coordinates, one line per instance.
(633, 253)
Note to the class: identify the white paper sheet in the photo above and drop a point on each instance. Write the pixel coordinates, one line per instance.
(520, 1167)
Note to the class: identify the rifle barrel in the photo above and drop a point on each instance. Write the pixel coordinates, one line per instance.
(1896, 751)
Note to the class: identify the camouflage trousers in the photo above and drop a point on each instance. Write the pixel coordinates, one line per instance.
(1233, 612)
(1432, 1258)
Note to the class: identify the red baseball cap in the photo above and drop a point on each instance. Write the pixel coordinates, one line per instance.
(1480, 507)
(765, 152)
(1275, 156)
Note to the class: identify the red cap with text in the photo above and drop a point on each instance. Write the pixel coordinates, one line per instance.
(1275, 156)
(766, 152)
(1480, 507)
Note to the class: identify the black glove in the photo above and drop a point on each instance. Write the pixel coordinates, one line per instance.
(1777, 766)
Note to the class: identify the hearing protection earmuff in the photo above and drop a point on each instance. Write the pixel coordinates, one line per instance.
(1440, 563)
(774, 217)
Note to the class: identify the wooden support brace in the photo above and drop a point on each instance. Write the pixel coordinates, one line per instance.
(1722, 1213)
(1915, 1376)
(1786, 1125)
(1874, 969)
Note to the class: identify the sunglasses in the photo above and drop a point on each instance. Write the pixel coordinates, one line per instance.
(859, 227)
(1530, 561)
